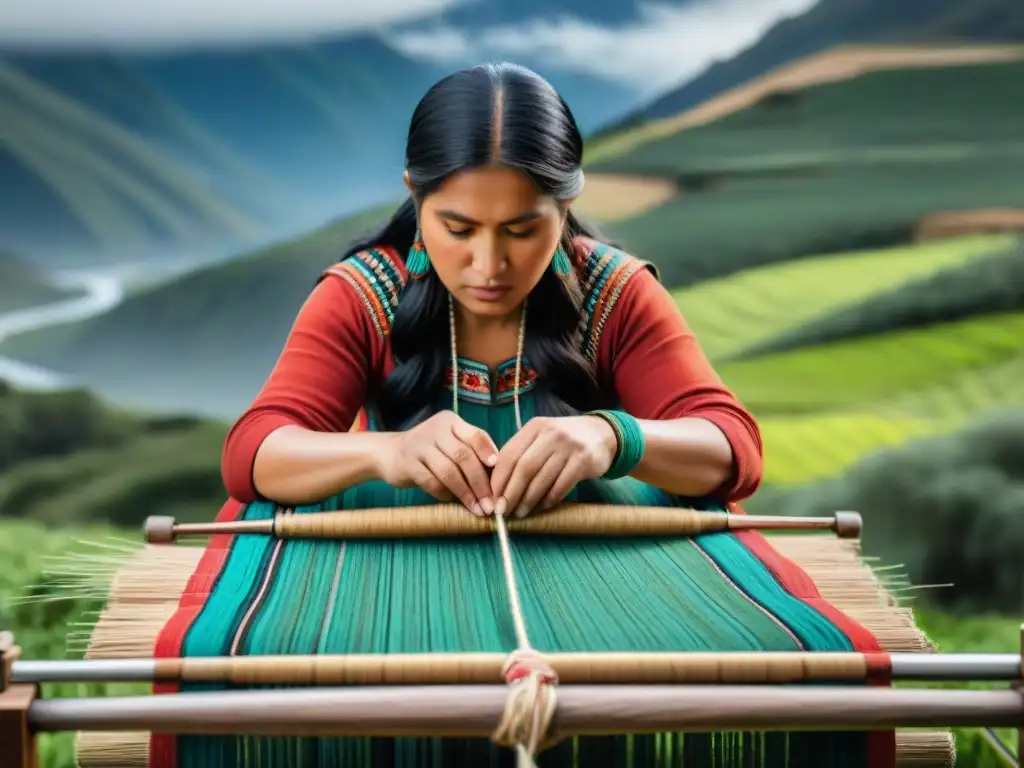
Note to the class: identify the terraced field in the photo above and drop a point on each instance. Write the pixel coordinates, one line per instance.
(826, 166)
(735, 313)
(823, 407)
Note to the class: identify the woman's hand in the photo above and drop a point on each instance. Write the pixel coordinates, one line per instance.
(446, 457)
(547, 458)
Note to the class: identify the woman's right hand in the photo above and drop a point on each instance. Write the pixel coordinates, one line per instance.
(446, 457)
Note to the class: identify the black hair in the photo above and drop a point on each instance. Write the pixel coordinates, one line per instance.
(453, 128)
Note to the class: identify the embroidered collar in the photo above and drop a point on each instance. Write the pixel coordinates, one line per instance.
(479, 383)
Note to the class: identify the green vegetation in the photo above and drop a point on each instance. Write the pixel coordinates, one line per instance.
(68, 458)
(994, 283)
(832, 168)
(974, 633)
(861, 371)
(878, 119)
(44, 624)
(822, 408)
(831, 23)
(948, 508)
(203, 342)
(751, 309)
(23, 286)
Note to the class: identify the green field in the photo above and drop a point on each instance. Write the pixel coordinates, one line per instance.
(880, 118)
(734, 313)
(846, 165)
(989, 284)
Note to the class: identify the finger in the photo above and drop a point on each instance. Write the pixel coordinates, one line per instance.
(478, 440)
(567, 479)
(472, 469)
(541, 483)
(426, 480)
(509, 456)
(528, 465)
(450, 476)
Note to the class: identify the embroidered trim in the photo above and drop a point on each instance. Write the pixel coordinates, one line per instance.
(378, 280)
(479, 384)
(605, 273)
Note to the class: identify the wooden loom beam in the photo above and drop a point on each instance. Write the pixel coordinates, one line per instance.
(473, 711)
(615, 668)
(439, 520)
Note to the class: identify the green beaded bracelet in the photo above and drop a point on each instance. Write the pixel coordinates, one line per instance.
(630, 439)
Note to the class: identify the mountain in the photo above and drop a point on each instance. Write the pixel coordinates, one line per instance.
(213, 151)
(849, 165)
(834, 22)
(22, 286)
(222, 326)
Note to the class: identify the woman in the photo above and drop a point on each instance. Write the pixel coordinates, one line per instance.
(485, 261)
(485, 347)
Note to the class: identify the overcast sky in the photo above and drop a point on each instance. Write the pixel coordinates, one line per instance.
(669, 43)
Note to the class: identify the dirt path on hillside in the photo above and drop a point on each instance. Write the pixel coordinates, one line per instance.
(832, 66)
(611, 197)
(979, 221)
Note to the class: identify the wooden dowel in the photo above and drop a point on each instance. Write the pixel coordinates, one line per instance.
(443, 520)
(572, 668)
(473, 711)
(17, 742)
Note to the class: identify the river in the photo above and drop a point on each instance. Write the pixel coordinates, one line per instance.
(93, 293)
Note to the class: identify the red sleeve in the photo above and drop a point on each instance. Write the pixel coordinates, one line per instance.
(320, 380)
(659, 371)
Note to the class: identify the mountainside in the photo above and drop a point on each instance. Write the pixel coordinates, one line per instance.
(218, 150)
(834, 22)
(23, 286)
(124, 156)
(844, 166)
(225, 324)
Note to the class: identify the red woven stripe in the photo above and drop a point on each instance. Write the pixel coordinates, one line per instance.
(793, 578)
(163, 748)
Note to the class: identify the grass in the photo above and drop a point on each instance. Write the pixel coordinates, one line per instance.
(880, 117)
(805, 447)
(734, 313)
(974, 634)
(743, 223)
(992, 283)
(852, 374)
(823, 408)
(68, 458)
(801, 449)
(831, 168)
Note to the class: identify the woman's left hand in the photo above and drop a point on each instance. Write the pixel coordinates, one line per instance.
(547, 458)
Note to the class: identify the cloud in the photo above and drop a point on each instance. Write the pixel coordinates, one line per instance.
(170, 23)
(668, 44)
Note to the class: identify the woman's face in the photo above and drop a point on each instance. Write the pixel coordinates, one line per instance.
(490, 235)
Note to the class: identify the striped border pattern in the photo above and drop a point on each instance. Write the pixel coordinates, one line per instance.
(604, 274)
(378, 279)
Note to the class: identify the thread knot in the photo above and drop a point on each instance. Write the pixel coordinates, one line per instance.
(530, 707)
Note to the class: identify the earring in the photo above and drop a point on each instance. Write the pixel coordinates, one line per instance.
(418, 262)
(560, 263)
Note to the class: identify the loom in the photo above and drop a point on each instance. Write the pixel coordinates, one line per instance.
(525, 699)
